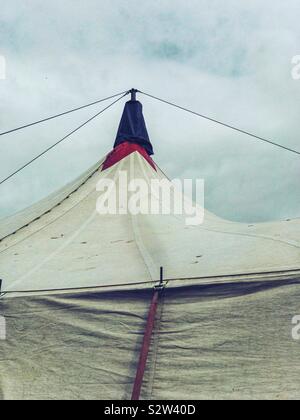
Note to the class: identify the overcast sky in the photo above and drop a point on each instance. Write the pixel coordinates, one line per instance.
(228, 59)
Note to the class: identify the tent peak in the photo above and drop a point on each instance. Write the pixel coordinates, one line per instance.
(132, 127)
(133, 93)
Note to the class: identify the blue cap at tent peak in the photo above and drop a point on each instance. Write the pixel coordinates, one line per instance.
(132, 127)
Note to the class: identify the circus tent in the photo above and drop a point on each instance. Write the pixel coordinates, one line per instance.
(77, 285)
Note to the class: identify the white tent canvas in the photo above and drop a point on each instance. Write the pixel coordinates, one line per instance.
(76, 288)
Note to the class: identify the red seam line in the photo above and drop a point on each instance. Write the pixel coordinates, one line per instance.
(145, 348)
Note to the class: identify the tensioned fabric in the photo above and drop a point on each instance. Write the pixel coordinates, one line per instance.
(72, 246)
(121, 151)
(210, 342)
(77, 286)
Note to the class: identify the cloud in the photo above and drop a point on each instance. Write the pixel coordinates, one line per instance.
(230, 60)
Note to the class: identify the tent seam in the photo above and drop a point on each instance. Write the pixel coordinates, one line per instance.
(50, 210)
